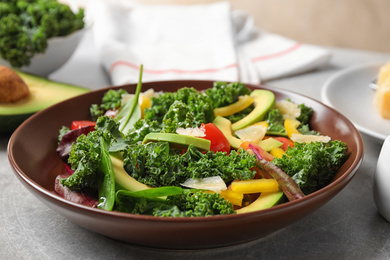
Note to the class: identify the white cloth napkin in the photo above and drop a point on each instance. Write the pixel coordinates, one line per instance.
(206, 41)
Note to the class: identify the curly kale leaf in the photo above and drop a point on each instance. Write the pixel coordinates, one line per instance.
(156, 164)
(275, 122)
(112, 99)
(189, 99)
(63, 130)
(141, 129)
(84, 156)
(178, 116)
(84, 160)
(195, 204)
(240, 115)
(188, 203)
(313, 165)
(306, 113)
(223, 93)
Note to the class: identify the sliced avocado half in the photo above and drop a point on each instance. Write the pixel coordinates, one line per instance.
(43, 93)
(268, 144)
(264, 100)
(264, 201)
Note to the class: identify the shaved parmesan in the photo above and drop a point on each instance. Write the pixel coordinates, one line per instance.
(253, 133)
(299, 138)
(288, 109)
(195, 131)
(214, 183)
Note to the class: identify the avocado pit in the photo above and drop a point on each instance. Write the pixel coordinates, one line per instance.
(12, 86)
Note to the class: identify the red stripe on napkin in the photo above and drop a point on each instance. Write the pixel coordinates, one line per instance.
(178, 71)
(210, 70)
(276, 54)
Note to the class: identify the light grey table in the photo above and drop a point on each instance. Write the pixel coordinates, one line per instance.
(347, 227)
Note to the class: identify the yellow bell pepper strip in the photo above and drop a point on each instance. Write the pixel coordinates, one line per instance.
(291, 124)
(255, 186)
(234, 197)
(242, 103)
(262, 123)
(277, 152)
(144, 103)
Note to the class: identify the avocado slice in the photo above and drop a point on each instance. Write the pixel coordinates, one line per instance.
(225, 126)
(122, 179)
(264, 100)
(264, 201)
(178, 140)
(269, 143)
(43, 93)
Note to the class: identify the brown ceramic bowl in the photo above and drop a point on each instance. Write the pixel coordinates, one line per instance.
(32, 154)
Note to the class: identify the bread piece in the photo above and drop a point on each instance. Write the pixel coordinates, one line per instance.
(382, 95)
(384, 73)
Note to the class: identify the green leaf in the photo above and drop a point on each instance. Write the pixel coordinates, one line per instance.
(152, 193)
(128, 114)
(106, 183)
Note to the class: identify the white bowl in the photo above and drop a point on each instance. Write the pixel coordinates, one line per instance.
(59, 50)
(382, 181)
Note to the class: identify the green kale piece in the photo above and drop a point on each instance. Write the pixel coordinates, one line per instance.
(240, 115)
(190, 108)
(156, 164)
(84, 156)
(306, 113)
(194, 204)
(141, 129)
(84, 160)
(313, 165)
(63, 130)
(111, 100)
(178, 116)
(275, 122)
(188, 203)
(189, 99)
(26, 25)
(223, 93)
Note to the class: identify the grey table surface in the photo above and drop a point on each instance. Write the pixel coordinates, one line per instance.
(347, 227)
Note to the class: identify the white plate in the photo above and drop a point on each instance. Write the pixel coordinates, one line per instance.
(347, 91)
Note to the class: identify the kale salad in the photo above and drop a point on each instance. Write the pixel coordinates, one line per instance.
(225, 150)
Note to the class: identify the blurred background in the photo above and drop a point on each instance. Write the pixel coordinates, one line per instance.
(356, 24)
